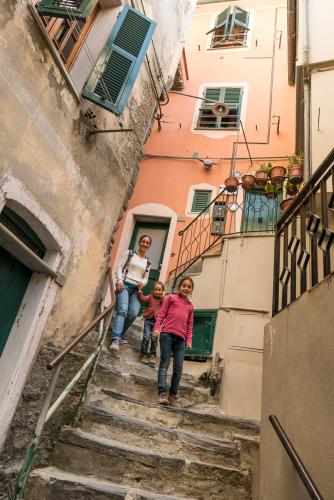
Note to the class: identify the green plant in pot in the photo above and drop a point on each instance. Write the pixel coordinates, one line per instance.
(296, 163)
(271, 190)
(291, 189)
(262, 175)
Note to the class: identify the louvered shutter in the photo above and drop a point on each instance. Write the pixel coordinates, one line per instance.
(240, 17)
(66, 8)
(232, 97)
(115, 73)
(201, 201)
(221, 21)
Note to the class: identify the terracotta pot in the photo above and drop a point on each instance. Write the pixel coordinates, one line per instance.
(231, 184)
(291, 190)
(277, 174)
(285, 204)
(261, 177)
(248, 182)
(296, 174)
(271, 194)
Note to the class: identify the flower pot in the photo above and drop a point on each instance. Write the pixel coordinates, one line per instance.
(248, 182)
(291, 190)
(271, 194)
(277, 174)
(261, 177)
(296, 174)
(285, 204)
(231, 184)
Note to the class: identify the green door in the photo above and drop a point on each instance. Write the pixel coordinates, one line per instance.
(158, 233)
(14, 280)
(203, 334)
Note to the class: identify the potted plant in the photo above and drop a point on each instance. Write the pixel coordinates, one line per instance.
(277, 174)
(291, 189)
(248, 182)
(231, 184)
(271, 190)
(286, 203)
(296, 163)
(262, 175)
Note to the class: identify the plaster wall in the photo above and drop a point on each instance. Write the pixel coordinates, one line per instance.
(298, 386)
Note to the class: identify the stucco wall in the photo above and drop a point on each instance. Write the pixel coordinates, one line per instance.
(298, 381)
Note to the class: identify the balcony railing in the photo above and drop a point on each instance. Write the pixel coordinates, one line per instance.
(304, 235)
(227, 214)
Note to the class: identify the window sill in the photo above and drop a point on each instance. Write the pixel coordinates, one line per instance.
(217, 129)
(55, 54)
(228, 47)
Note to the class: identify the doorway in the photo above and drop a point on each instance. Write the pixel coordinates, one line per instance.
(158, 232)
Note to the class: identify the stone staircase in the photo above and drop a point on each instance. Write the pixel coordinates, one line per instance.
(129, 447)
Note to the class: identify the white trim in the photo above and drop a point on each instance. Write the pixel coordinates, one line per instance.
(191, 193)
(154, 211)
(210, 50)
(23, 342)
(216, 133)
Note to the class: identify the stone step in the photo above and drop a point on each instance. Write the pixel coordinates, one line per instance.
(154, 437)
(144, 387)
(203, 421)
(136, 367)
(84, 453)
(54, 484)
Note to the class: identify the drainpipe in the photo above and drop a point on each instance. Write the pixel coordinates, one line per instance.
(291, 42)
(307, 93)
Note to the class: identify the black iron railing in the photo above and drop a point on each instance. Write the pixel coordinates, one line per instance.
(295, 459)
(304, 236)
(227, 214)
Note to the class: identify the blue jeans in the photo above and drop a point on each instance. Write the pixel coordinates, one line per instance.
(147, 336)
(170, 343)
(127, 309)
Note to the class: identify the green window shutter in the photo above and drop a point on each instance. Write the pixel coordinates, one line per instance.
(200, 201)
(232, 96)
(66, 8)
(240, 17)
(221, 21)
(111, 82)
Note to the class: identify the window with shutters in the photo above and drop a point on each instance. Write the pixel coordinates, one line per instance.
(231, 29)
(111, 81)
(68, 9)
(232, 97)
(201, 200)
(67, 33)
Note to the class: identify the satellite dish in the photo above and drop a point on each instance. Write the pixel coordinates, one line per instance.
(220, 109)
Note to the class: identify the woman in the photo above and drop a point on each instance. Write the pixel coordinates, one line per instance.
(132, 272)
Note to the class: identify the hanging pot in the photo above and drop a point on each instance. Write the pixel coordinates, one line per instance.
(277, 174)
(248, 182)
(231, 184)
(296, 174)
(285, 204)
(271, 194)
(291, 190)
(261, 177)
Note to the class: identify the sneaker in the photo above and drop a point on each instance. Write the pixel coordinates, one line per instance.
(173, 400)
(163, 399)
(151, 361)
(144, 359)
(114, 346)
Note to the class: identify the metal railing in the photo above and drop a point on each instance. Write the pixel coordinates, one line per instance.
(304, 236)
(295, 459)
(227, 214)
(49, 408)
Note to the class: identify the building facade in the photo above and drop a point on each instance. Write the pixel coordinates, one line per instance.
(78, 97)
(236, 53)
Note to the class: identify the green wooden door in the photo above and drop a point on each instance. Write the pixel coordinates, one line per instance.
(158, 233)
(14, 280)
(203, 334)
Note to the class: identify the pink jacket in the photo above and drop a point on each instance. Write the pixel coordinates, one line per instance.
(176, 316)
(153, 305)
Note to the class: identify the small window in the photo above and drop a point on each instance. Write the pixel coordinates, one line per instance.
(68, 33)
(231, 29)
(259, 212)
(231, 96)
(200, 201)
(67, 9)
(111, 82)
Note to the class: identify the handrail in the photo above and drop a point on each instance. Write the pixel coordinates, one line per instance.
(49, 409)
(295, 459)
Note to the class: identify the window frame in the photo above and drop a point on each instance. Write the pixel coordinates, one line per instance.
(229, 27)
(206, 107)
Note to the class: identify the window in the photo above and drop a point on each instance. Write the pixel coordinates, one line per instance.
(115, 73)
(231, 29)
(68, 33)
(68, 9)
(260, 213)
(231, 96)
(200, 201)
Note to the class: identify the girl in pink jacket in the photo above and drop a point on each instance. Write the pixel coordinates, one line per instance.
(175, 321)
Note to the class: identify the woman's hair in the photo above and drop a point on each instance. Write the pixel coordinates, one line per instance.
(158, 283)
(186, 278)
(145, 236)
